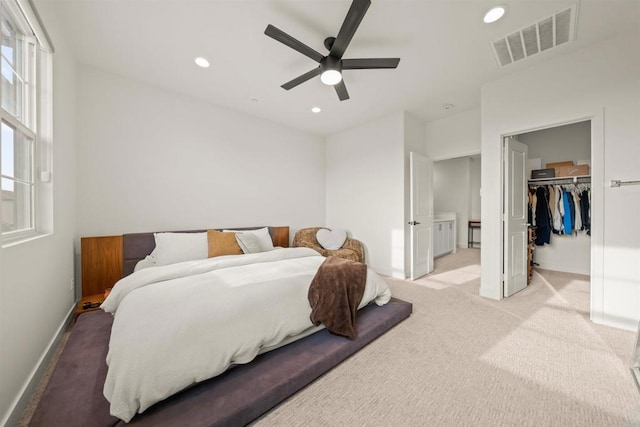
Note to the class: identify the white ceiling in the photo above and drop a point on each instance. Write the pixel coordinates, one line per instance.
(444, 48)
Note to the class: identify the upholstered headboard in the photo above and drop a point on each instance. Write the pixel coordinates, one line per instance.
(136, 246)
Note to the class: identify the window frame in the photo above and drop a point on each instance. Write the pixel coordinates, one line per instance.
(36, 111)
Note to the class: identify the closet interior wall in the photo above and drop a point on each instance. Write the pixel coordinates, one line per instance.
(568, 253)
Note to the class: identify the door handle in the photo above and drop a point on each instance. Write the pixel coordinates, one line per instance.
(414, 223)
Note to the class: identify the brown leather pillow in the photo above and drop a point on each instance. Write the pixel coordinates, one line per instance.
(222, 243)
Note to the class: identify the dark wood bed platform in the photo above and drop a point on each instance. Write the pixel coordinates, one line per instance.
(74, 394)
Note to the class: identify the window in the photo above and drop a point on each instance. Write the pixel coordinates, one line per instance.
(17, 180)
(25, 118)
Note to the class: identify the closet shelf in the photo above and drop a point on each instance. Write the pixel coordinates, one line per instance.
(562, 180)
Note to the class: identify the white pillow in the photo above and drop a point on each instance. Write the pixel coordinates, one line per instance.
(249, 243)
(148, 261)
(264, 241)
(178, 247)
(331, 239)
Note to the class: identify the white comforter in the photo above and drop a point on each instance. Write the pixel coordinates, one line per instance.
(179, 324)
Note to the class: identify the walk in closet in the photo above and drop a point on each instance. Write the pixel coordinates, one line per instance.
(560, 205)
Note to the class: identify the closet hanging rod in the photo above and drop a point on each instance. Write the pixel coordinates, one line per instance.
(562, 180)
(618, 183)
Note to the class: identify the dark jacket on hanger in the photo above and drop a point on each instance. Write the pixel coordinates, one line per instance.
(543, 217)
(585, 211)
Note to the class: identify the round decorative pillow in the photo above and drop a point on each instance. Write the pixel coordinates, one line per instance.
(331, 239)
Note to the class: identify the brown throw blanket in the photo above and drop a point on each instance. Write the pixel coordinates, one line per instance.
(335, 293)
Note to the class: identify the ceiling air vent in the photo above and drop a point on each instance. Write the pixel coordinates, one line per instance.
(543, 35)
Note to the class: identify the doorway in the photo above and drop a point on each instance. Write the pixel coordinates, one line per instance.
(456, 201)
(558, 172)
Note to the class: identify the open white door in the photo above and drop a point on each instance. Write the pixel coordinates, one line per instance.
(421, 221)
(515, 217)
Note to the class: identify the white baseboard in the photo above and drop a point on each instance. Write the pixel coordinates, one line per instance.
(22, 400)
(618, 323)
(565, 268)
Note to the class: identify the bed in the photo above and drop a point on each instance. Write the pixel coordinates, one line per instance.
(220, 396)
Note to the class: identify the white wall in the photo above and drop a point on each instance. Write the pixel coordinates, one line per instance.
(365, 189)
(35, 277)
(601, 83)
(454, 136)
(559, 143)
(155, 160)
(569, 253)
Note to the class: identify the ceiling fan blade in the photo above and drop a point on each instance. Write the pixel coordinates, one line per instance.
(301, 79)
(369, 63)
(341, 90)
(286, 39)
(349, 26)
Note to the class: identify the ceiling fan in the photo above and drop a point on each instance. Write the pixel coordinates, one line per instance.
(332, 65)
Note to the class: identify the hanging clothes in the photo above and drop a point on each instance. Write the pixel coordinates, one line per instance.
(543, 217)
(578, 217)
(559, 209)
(558, 220)
(566, 218)
(554, 198)
(585, 210)
(552, 204)
(533, 203)
(572, 208)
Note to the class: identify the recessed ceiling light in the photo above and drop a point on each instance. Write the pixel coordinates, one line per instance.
(495, 13)
(316, 109)
(202, 62)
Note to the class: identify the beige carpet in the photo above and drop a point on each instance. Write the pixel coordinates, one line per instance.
(461, 360)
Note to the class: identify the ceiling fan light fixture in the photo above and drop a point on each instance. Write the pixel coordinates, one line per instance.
(331, 70)
(331, 77)
(331, 65)
(494, 14)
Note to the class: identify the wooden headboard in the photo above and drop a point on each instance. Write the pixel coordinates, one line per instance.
(107, 259)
